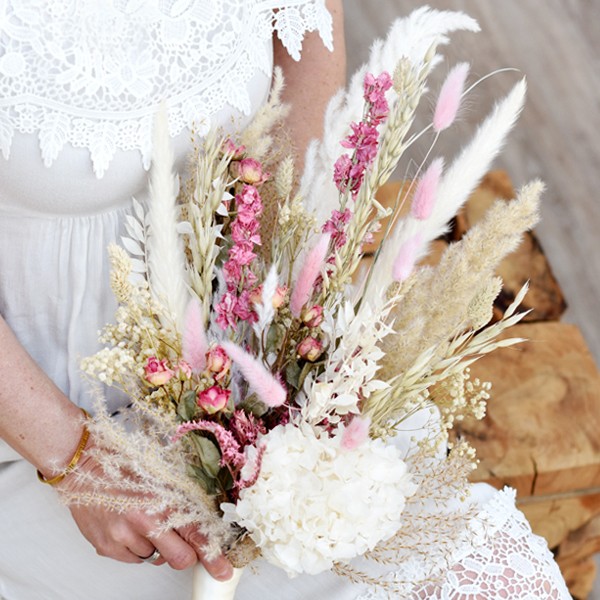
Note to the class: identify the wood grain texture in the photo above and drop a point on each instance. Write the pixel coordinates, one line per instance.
(555, 44)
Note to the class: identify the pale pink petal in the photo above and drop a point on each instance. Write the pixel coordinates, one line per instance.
(261, 380)
(405, 261)
(309, 272)
(194, 342)
(356, 432)
(450, 96)
(424, 198)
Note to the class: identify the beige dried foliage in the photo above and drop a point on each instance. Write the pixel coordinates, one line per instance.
(120, 263)
(420, 323)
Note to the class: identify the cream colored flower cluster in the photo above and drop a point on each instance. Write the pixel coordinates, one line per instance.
(316, 504)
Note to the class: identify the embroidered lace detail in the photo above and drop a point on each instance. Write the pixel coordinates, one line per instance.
(93, 73)
(503, 559)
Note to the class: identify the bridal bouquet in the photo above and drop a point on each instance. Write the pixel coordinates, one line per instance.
(270, 377)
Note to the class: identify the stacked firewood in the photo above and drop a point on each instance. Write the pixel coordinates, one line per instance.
(540, 435)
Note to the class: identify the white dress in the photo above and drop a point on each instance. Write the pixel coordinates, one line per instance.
(79, 84)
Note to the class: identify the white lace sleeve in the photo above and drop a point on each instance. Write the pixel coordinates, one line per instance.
(93, 73)
(506, 561)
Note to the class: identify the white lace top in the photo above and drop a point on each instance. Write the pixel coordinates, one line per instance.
(92, 74)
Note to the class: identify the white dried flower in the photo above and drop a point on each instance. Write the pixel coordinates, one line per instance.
(315, 504)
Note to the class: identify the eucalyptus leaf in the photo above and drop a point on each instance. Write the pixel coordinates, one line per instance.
(208, 483)
(209, 454)
(188, 405)
(292, 374)
(255, 406)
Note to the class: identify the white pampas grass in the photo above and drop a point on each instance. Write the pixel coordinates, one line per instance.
(411, 37)
(166, 258)
(453, 190)
(265, 310)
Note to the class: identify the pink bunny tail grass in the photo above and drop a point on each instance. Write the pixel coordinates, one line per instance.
(405, 261)
(425, 194)
(356, 432)
(450, 96)
(309, 272)
(194, 342)
(262, 381)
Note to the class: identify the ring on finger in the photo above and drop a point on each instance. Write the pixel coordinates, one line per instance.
(153, 557)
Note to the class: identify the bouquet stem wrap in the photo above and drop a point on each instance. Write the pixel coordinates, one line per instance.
(206, 587)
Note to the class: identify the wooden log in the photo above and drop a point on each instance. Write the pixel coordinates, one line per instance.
(580, 544)
(540, 435)
(580, 578)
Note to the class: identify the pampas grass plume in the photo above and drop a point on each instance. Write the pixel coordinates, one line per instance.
(194, 342)
(425, 194)
(266, 386)
(309, 272)
(405, 261)
(449, 100)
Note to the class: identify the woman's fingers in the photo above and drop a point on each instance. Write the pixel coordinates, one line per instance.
(219, 568)
(175, 550)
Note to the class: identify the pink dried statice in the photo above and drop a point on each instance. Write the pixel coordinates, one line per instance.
(246, 428)
(349, 171)
(231, 454)
(236, 304)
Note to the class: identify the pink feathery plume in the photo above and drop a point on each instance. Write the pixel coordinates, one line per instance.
(450, 96)
(246, 483)
(262, 381)
(425, 194)
(405, 261)
(356, 432)
(309, 272)
(194, 342)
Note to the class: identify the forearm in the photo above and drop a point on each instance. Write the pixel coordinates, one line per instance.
(37, 420)
(312, 81)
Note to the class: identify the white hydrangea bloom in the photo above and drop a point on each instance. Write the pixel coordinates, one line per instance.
(316, 503)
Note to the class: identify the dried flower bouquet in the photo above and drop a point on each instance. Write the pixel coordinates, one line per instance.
(268, 380)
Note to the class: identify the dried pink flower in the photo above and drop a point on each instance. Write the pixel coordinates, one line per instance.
(236, 152)
(313, 316)
(157, 372)
(310, 348)
(250, 171)
(213, 399)
(218, 362)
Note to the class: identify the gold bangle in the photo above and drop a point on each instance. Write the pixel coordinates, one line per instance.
(73, 463)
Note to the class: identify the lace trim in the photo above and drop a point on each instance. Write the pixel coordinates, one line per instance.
(500, 558)
(93, 73)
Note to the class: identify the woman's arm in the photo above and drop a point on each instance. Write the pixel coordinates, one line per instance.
(45, 427)
(312, 81)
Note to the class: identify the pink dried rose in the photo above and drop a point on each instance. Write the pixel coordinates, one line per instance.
(183, 370)
(310, 348)
(250, 171)
(313, 316)
(218, 362)
(157, 372)
(277, 300)
(235, 152)
(213, 399)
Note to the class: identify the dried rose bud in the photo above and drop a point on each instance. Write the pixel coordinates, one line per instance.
(250, 171)
(157, 372)
(236, 152)
(218, 362)
(213, 399)
(278, 298)
(310, 349)
(313, 317)
(183, 370)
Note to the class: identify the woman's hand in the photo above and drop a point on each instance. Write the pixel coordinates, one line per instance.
(130, 535)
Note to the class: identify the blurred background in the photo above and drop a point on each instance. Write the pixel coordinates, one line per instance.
(556, 45)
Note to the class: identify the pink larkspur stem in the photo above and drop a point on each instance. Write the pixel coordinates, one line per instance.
(405, 261)
(355, 433)
(450, 95)
(309, 272)
(261, 380)
(194, 342)
(425, 194)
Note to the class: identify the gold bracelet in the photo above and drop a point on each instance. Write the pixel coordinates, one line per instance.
(80, 448)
